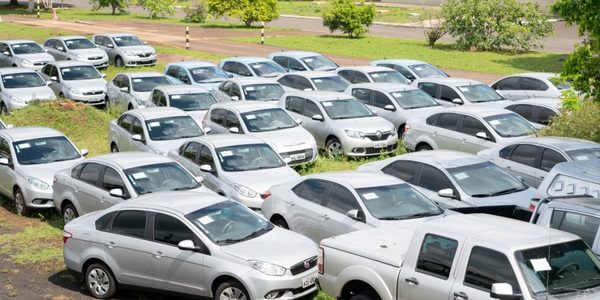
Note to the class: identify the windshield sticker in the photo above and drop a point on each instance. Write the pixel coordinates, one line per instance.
(152, 171)
(461, 176)
(154, 124)
(327, 104)
(495, 122)
(206, 220)
(198, 72)
(226, 153)
(42, 143)
(69, 42)
(16, 46)
(418, 69)
(117, 39)
(66, 70)
(309, 60)
(250, 117)
(463, 89)
(137, 80)
(169, 121)
(540, 264)
(250, 88)
(375, 75)
(140, 175)
(175, 97)
(7, 77)
(582, 157)
(370, 196)
(317, 80)
(24, 146)
(397, 95)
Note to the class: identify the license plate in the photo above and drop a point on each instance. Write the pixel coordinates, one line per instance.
(300, 156)
(306, 282)
(379, 145)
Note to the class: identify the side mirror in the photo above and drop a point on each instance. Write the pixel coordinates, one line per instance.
(207, 130)
(49, 82)
(446, 193)
(124, 89)
(6, 53)
(482, 135)
(53, 78)
(84, 152)
(318, 118)
(206, 168)
(187, 245)
(457, 101)
(234, 130)
(199, 178)
(356, 214)
(110, 46)
(116, 193)
(389, 107)
(103, 75)
(60, 49)
(4, 161)
(235, 98)
(503, 291)
(145, 43)
(298, 121)
(137, 137)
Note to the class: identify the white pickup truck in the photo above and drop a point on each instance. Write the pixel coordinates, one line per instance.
(460, 257)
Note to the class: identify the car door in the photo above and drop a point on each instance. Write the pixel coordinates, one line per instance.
(304, 204)
(120, 133)
(445, 132)
(7, 173)
(211, 179)
(138, 128)
(86, 189)
(469, 141)
(522, 162)
(509, 88)
(319, 129)
(548, 160)
(333, 220)
(111, 179)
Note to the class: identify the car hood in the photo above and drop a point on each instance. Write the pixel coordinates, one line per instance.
(261, 180)
(36, 57)
(291, 138)
(144, 96)
(45, 172)
(278, 246)
(521, 199)
(92, 52)
(87, 85)
(41, 92)
(198, 116)
(367, 125)
(139, 49)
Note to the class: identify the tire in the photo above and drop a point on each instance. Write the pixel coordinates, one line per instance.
(100, 281)
(280, 222)
(20, 203)
(424, 147)
(3, 109)
(231, 290)
(130, 106)
(114, 148)
(333, 148)
(364, 297)
(69, 213)
(119, 62)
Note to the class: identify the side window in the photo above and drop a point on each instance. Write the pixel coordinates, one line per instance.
(76, 170)
(191, 151)
(112, 180)
(294, 104)
(405, 72)
(524, 154)
(229, 67)
(347, 74)
(235, 91)
(486, 267)
(302, 83)
(218, 116)
(506, 151)
(584, 226)
(183, 76)
(429, 88)
(340, 199)
(544, 115)
(54, 72)
(226, 87)
(525, 111)
(405, 170)
(550, 158)
(206, 157)
(118, 81)
(448, 94)
(46, 70)
(282, 61)
(90, 173)
(436, 256)
(98, 40)
(364, 95)
(295, 65)
(107, 42)
(431, 120)
(434, 180)
(137, 127)
(472, 126)
(242, 69)
(313, 190)
(380, 99)
(311, 109)
(232, 121)
(172, 71)
(130, 222)
(447, 121)
(360, 77)
(5, 149)
(162, 99)
(125, 122)
(529, 84)
(511, 83)
(155, 98)
(169, 230)
(286, 80)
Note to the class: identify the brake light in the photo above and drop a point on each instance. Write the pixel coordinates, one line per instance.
(66, 236)
(320, 260)
(265, 195)
(531, 207)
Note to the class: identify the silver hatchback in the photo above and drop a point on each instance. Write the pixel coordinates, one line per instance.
(75, 80)
(77, 48)
(23, 53)
(126, 49)
(192, 243)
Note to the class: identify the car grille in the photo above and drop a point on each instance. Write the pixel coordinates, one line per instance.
(140, 63)
(300, 267)
(95, 58)
(381, 137)
(308, 153)
(93, 93)
(144, 54)
(301, 290)
(389, 148)
(40, 63)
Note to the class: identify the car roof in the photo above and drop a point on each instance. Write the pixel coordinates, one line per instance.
(441, 158)
(320, 95)
(366, 69)
(401, 62)
(245, 59)
(252, 80)
(69, 63)
(384, 86)
(452, 81)
(226, 140)
(115, 34)
(358, 179)
(538, 75)
(10, 42)
(245, 106)
(554, 103)
(295, 54)
(588, 170)
(181, 201)
(564, 143)
(130, 159)
(15, 70)
(30, 132)
(182, 89)
(139, 74)
(150, 113)
(67, 37)
(313, 74)
(478, 110)
(192, 64)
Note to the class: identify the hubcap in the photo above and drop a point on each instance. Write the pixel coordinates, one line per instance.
(98, 282)
(334, 149)
(19, 203)
(68, 215)
(232, 293)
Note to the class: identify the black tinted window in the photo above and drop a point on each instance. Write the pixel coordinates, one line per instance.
(281, 60)
(433, 179)
(347, 74)
(232, 121)
(218, 116)
(90, 173)
(112, 180)
(448, 94)
(447, 121)
(511, 83)
(405, 170)
(360, 77)
(103, 223)
(130, 222)
(531, 84)
(380, 100)
(405, 72)
(525, 111)
(550, 158)
(313, 190)
(506, 151)
(544, 115)
(191, 151)
(170, 230)
(364, 95)
(310, 109)
(486, 267)
(137, 128)
(429, 88)
(295, 65)
(125, 122)
(472, 126)
(524, 154)
(436, 256)
(206, 157)
(294, 104)
(75, 171)
(340, 199)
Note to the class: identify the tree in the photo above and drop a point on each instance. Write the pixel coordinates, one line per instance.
(115, 5)
(351, 18)
(496, 24)
(14, 3)
(157, 8)
(581, 68)
(248, 11)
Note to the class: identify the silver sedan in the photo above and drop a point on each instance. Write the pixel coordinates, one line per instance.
(313, 81)
(531, 85)
(191, 243)
(195, 100)
(23, 53)
(459, 91)
(20, 86)
(75, 80)
(125, 49)
(77, 48)
(131, 90)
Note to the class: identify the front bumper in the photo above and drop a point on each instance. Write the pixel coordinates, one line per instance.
(97, 99)
(140, 61)
(253, 203)
(366, 147)
(299, 156)
(35, 198)
(18, 105)
(289, 286)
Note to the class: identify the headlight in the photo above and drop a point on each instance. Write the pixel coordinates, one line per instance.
(27, 63)
(140, 101)
(38, 184)
(129, 53)
(15, 99)
(393, 131)
(244, 191)
(74, 91)
(267, 268)
(355, 134)
(81, 57)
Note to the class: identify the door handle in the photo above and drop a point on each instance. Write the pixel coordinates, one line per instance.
(291, 203)
(542, 177)
(102, 199)
(76, 190)
(460, 296)
(111, 245)
(158, 254)
(325, 217)
(412, 281)
(508, 167)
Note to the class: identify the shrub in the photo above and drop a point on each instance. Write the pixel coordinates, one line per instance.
(248, 11)
(583, 122)
(496, 24)
(195, 13)
(157, 8)
(351, 18)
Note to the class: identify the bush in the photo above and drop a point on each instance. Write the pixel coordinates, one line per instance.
(582, 122)
(157, 8)
(351, 18)
(195, 13)
(248, 11)
(496, 24)
(115, 5)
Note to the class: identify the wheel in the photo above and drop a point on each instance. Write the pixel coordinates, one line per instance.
(100, 281)
(114, 148)
(61, 96)
(119, 62)
(231, 290)
(69, 213)
(130, 106)
(20, 206)
(281, 223)
(334, 148)
(3, 109)
(424, 147)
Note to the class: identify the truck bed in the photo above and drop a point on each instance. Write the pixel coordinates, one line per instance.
(507, 211)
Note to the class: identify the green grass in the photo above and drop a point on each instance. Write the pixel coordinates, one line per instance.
(443, 55)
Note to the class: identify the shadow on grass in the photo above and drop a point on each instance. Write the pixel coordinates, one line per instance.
(550, 62)
(49, 216)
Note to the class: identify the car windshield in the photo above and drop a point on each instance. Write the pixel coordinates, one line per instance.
(510, 125)
(248, 158)
(319, 63)
(76, 44)
(208, 74)
(27, 48)
(263, 92)
(331, 84)
(477, 93)
(127, 40)
(485, 180)
(559, 268)
(389, 76)
(146, 84)
(190, 102)
(416, 98)
(427, 70)
(173, 128)
(584, 154)
(160, 177)
(229, 222)
(397, 202)
(265, 68)
(45, 150)
(22, 80)
(268, 120)
(346, 109)
(79, 73)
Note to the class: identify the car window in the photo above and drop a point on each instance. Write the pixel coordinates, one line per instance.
(98, 39)
(434, 180)
(301, 83)
(125, 122)
(347, 74)
(191, 151)
(5, 149)
(112, 180)
(103, 223)
(431, 120)
(286, 80)
(294, 104)
(89, 173)
(206, 157)
(524, 154)
(550, 158)
(155, 98)
(447, 121)
(486, 267)
(380, 100)
(364, 95)
(107, 42)
(436, 256)
(532, 84)
(510, 83)
(169, 230)
(340, 199)
(405, 72)
(525, 111)
(172, 71)
(311, 109)
(313, 190)
(448, 94)
(226, 87)
(429, 88)
(232, 121)
(405, 170)
(295, 65)
(76, 170)
(360, 77)
(46, 69)
(282, 61)
(229, 66)
(506, 151)
(235, 91)
(130, 222)
(582, 225)
(241, 69)
(137, 127)
(472, 126)
(544, 115)
(218, 116)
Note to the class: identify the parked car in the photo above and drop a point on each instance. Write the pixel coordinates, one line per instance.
(132, 89)
(125, 49)
(533, 158)
(155, 130)
(332, 203)
(475, 256)
(530, 85)
(194, 100)
(204, 74)
(23, 53)
(198, 244)
(29, 157)
(250, 89)
(411, 69)
(340, 124)
(459, 91)
(19, 86)
(396, 103)
(538, 111)
(268, 122)
(365, 74)
(456, 179)
(77, 48)
(240, 167)
(75, 80)
(313, 81)
(573, 178)
(250, 66)
(468, 129)
(293, 61)
(103, 181)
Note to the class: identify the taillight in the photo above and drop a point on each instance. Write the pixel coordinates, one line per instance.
(66, 237)
(320, 260)
(265, 195)
(531, 207)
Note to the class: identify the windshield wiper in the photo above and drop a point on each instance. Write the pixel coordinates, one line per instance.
(184, 188)
(415, 216)
(562, 290)
(481, 195)
(508, 191)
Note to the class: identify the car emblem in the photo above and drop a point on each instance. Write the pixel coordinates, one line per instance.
(378, 134)
(306, 264)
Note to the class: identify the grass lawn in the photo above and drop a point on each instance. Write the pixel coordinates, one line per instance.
(443, 55)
